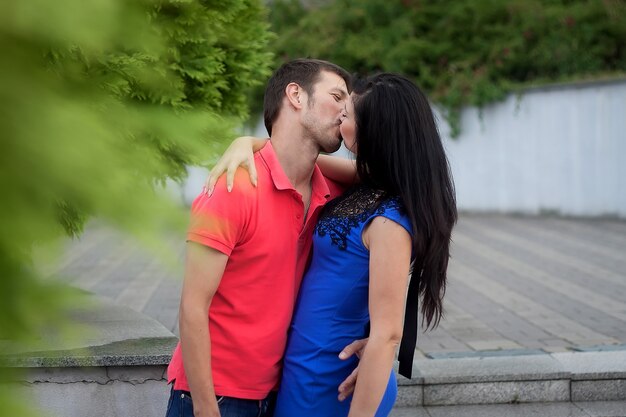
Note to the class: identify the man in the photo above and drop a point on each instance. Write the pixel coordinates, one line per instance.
(247, 251)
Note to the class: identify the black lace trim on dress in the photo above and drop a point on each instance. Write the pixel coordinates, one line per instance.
(344, 213)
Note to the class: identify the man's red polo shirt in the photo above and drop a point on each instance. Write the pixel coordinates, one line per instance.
(263, 232)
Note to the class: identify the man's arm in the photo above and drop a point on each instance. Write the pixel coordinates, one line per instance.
(204, 268)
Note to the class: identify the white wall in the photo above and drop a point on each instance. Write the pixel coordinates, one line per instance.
(558, 149)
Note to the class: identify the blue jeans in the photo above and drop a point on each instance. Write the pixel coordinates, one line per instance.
(181, 405)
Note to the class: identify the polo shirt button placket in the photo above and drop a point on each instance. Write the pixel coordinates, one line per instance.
(298, 208)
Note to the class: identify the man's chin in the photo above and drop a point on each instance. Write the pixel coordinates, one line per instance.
(330, 148)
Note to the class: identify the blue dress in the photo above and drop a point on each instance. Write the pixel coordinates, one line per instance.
(332, 308)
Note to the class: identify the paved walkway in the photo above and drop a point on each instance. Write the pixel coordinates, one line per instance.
(516, 284)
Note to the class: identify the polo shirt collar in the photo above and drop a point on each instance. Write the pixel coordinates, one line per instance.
(281, 182)
(319, 185)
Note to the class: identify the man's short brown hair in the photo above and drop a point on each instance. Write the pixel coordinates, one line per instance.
(305, 73)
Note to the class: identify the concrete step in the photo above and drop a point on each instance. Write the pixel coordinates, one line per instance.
(536, 378)
(563, 409)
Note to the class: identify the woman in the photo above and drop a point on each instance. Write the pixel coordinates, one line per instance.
(398, 219)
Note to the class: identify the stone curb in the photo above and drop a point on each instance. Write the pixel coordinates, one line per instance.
(556, 377)
(147, 351)
(111, 335)
(125, 338)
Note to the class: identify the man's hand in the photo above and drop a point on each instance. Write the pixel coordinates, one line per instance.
(213, 411)
(347, 386)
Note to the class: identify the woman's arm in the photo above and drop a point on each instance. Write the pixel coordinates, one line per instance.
(390, 257)
(239, 153)
(341, 170)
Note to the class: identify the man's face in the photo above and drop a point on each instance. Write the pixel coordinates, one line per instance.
(322, 113)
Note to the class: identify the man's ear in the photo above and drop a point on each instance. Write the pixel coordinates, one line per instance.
(295, 95)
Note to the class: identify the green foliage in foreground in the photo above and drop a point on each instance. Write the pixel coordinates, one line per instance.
(100, 103)
(463, 52)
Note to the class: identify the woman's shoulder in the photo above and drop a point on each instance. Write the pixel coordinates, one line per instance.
(391, 204)
(392, 208)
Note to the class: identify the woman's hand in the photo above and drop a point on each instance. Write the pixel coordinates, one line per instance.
(240, 153)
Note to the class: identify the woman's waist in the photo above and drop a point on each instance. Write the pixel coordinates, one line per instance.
(312, 340)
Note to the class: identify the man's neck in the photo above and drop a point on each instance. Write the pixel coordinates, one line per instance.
(296, 157)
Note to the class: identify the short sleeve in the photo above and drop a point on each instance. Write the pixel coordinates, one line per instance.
(220, 221)
(393, 210)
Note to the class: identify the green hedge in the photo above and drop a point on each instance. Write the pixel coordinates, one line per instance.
(100, 103)
(462, 52)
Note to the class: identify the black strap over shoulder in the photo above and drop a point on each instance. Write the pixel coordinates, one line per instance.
(409, 333)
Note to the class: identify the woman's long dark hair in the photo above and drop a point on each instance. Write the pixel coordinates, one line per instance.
(400, 152)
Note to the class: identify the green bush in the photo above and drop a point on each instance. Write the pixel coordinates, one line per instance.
(100, 103)
(465, 52)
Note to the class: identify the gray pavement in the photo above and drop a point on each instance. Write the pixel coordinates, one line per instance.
(517, 285)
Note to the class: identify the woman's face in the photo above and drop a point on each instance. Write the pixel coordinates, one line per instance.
(348, 126)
